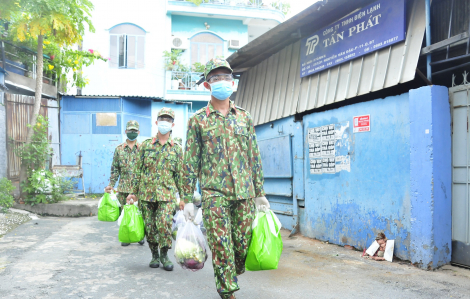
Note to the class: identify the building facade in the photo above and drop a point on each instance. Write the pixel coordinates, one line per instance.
(135, 39)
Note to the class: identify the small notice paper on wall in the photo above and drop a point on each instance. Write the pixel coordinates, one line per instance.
(328, 148)
(361, 123)
(106, 119)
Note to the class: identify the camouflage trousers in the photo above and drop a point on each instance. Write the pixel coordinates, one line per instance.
(228, 225)
(158, 218)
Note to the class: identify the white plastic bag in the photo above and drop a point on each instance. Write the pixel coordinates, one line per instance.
(190, 247)
(198, 218)
(113, 197)
(120, 218)
(178, 222)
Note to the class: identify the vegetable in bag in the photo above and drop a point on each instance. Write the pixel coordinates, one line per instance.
(108, 208)
(266, 243)
(190, 247)
(131, 229)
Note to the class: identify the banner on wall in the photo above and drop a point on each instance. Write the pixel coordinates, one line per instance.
(374, 27)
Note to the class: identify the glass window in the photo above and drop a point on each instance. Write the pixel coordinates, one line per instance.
(205, 46)
(127, 46)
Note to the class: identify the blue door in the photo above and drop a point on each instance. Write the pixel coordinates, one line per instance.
(280, 145)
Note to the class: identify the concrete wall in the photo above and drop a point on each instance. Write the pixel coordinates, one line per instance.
(399, 181)
(431, 177)
(350, 208)
(149, 81)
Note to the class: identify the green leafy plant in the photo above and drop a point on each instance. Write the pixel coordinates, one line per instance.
(197, 2)
(172, 59)
(283, 5)
(198, 67)
(45, 187)
(6, 199)
(35, 154)
(41, 186)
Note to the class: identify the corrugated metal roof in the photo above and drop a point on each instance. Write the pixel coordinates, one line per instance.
(124, 96)
(273, 88)
(315, 17)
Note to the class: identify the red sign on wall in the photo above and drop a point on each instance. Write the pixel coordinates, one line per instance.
(361, 123)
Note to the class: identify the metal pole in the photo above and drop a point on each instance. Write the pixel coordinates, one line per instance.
(428, 38)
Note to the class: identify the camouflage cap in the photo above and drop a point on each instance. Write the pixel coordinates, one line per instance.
(132, 125)
(216, 63)
(167, 111)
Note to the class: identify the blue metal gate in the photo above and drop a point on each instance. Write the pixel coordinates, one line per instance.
(280, 145)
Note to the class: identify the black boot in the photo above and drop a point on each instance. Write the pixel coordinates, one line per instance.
(155, 262)
(167, 264)
(142, 242)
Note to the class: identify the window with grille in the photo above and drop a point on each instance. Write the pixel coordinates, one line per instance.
(127, 46)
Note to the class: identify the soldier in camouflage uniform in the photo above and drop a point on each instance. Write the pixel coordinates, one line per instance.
(124, 160)
(155, 183)
(222, 152)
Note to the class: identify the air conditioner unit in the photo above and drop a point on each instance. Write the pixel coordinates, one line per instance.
(178, 43)
(234, 44)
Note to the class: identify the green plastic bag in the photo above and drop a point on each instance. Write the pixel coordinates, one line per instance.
(108, 208)
(131, 229)
(266, 243)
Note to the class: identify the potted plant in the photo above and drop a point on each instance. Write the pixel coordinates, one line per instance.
(198, 67)
(172, 59)
(174, 81)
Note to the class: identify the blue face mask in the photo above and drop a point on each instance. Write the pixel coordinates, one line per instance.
(164, 127)
(221, 90)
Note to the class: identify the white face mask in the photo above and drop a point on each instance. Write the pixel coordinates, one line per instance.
(164, 127)
(221, 90)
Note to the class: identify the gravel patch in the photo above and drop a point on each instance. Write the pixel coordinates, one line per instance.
(12, 219)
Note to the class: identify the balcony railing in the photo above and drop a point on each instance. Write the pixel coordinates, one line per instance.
(13, 59)
(276, 5)
(188, 81)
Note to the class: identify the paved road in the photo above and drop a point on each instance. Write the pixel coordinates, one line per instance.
(81, 258)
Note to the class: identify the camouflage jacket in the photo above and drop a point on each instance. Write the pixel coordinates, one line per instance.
(123, 163)
(223, 153)
(157, 171)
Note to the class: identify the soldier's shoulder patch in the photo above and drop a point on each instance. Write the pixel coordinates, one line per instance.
(122, 145)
